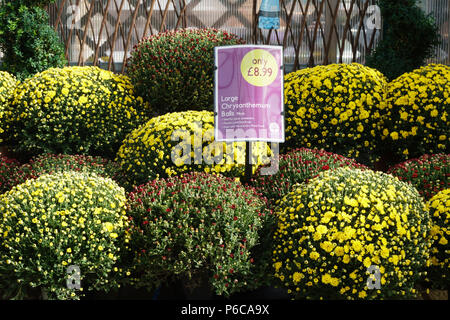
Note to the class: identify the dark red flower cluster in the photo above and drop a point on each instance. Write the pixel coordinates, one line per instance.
(51, 163)
(199, 223)
(298, 166)
(429, 173)
(7, 168)
(174, 70)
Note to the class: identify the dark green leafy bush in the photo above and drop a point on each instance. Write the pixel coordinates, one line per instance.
(409, 38)
(29, 44)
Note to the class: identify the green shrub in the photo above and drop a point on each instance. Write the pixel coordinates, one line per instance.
(73, 110)
(55, 221)
(337, 108)
(52, 163)
(174, 70)
(29, 44)
(409, 38)
(7, 84)
(192, 227)
(429, 173)
(439, 208)
(298, 166)
(165, 146)
(418, 113)
(331, 230)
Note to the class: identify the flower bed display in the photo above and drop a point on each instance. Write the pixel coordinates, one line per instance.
(73, 110)
(418, 116)
(298, 166)
(337, 108)
(194, 226)
(166, 146)
(439, 208)
(429, 173)
(174, 70)
(56, 221)
(331, 230)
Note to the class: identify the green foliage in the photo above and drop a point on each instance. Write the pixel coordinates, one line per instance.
(409, 38)
(28, 42)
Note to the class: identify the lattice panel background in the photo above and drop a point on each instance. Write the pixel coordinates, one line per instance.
(103, 32)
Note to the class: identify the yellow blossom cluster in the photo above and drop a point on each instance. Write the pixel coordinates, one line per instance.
(336, 107)
(56, 221)
(7, 84)
(439, 208)
(333, 229)
(418, 115)
(76, 110)
(181, 142)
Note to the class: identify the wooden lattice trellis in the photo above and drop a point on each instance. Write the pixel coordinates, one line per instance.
(312, 31)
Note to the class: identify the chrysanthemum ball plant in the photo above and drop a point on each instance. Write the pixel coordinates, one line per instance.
(174, 70)
(297, 166)
(52, 163)
(7, 84)
(418, 114)
(348, 226)
(182, 142)
(49, 224)
(73, 110)
(337, 108)
(428, 173)
(439, 208)
(195, 226)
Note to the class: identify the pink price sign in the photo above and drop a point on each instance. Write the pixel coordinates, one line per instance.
(249, 99)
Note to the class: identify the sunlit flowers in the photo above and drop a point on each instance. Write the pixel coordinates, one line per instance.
(331, 230)
(55, 221)
(439, 208)
(336, 107)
